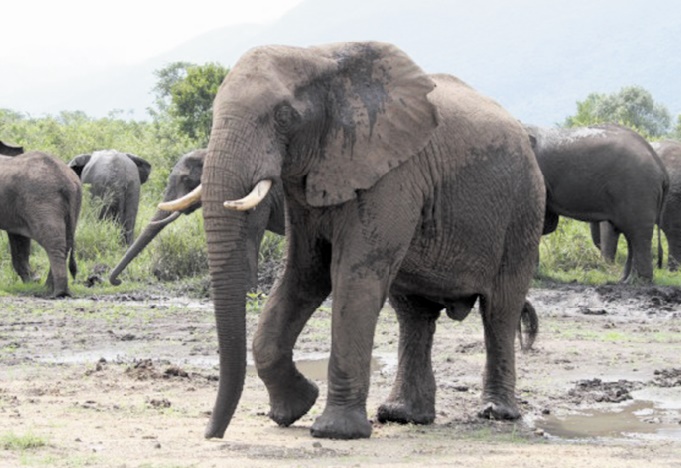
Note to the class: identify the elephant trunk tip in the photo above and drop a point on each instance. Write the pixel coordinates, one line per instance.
(113, 279)
(215, 430)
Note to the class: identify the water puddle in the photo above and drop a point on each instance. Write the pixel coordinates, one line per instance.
(647, 419)
(313, 366)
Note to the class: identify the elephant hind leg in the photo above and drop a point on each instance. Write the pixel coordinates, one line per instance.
(639, 265)
(55, 244)
(412, 399)
(20, 250)
(501, 312)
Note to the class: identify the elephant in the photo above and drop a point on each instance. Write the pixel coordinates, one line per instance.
(604, 173)
(397, 184)
(10, 150)
(604, 235)
(184, 178)
(115, 179)
(41, 201)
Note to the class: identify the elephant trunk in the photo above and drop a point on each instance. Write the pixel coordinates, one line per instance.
(160, 220)
(226, 236)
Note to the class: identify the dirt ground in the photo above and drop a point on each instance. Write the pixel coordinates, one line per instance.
(129, 381)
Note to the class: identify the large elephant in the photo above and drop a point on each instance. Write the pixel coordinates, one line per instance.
(397, 184)
(115, 179)
(604, 173)
(184, 178)
(41, 201)
(10, 150)
(606, 237)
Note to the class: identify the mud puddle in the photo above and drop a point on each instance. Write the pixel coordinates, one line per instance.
(640, 419)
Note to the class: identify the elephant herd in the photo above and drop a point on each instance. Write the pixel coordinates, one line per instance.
(390, 184)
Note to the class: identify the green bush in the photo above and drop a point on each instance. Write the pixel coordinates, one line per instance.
(180, 250)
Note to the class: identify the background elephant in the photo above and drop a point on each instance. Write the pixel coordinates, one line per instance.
(41, 201)
(185, 177)
(397, 184)
(606, 237)
(604, 173)
(115, 179)
(10, 150)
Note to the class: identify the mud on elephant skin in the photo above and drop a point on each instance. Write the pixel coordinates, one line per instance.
(41, 201)
(385, 171)
(115, 179)
(184, 179)
(604, 173)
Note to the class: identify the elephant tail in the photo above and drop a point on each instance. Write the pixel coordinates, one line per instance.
(528, 327)
(71, 223)
(660, 211)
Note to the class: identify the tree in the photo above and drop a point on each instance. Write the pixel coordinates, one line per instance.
(185, 94)
(676, 133)
(632, 106)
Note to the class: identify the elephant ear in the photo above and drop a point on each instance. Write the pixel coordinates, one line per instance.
(380, 117)
(142, 166)
(79, 162)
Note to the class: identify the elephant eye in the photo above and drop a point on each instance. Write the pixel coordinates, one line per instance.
(285, 117)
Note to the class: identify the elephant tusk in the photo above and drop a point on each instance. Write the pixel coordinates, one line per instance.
(252, 199)
(183, 202)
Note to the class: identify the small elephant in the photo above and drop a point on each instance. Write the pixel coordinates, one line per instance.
(398, 185)
(605, 236)
(183, 180)
(41, 201)
(115, 179)
(10, 150)
(604, 173)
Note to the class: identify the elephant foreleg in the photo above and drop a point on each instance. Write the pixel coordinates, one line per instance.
(412, 399)
(295, 297)
(20, 250)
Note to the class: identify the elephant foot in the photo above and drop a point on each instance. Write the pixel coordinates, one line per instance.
(499, 411)
(402, 413)
(341, 423)
(287, 408)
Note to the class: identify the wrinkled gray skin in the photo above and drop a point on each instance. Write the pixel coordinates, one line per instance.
(398, 184)
(10, 150)
(114, 178)
(185, 177)
(606, 238)
(41, 201)
(604, 173)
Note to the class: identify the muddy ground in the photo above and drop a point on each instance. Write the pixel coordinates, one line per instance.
(129, 381)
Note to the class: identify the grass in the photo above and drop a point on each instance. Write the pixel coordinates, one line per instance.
(568, 255)
(178, 257)
(21, 443)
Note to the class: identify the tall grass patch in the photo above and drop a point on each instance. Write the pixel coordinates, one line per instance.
(569, 255)
(180, 250)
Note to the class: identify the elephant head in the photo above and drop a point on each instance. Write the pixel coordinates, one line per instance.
(183, 179)
(78, 164)
(326, 123)
(10, 150)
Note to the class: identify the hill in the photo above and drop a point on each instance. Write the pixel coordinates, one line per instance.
(536, 58)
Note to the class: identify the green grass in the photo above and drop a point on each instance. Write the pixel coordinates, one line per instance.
(21, 443)
(177, 258)
(568, 255)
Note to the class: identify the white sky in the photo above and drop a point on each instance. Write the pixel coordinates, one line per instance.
(59, 32)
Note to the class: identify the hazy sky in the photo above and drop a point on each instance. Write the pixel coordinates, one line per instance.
(59, 33)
